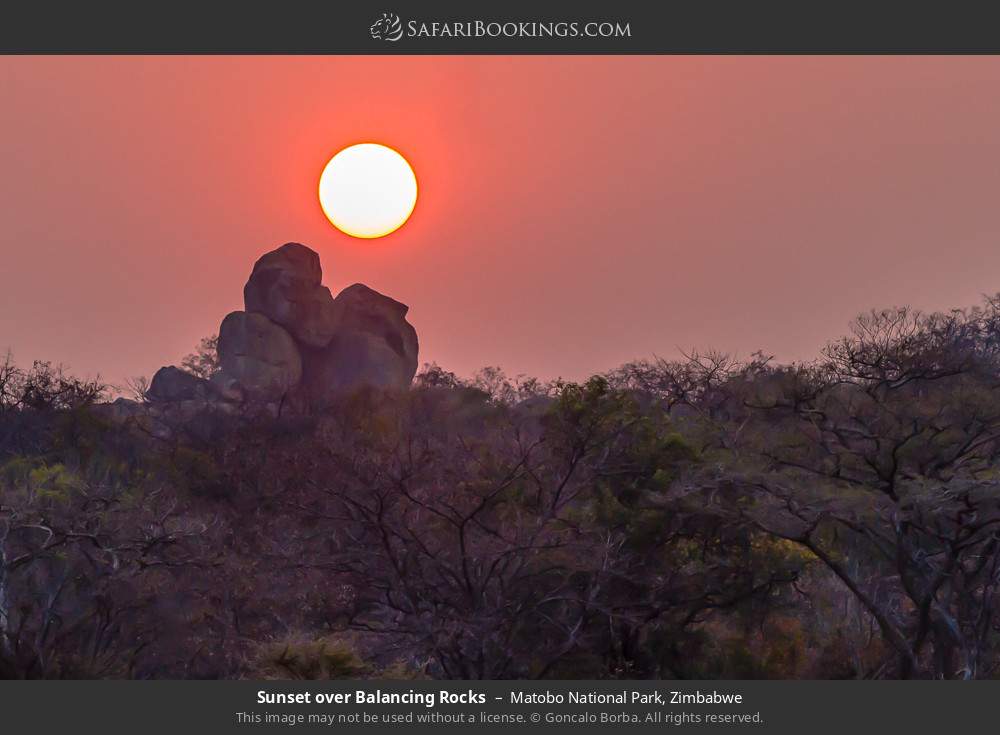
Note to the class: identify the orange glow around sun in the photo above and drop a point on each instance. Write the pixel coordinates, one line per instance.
(368, 190)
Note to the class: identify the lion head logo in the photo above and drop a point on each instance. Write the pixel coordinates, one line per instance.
(387, 28)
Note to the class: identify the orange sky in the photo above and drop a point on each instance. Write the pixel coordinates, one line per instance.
(574, 213)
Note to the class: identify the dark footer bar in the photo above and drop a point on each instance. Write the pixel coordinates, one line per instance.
(376, 706)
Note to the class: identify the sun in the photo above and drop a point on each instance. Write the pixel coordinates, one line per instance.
(368, 190)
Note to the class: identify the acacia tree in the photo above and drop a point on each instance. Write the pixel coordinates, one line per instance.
(881, 463)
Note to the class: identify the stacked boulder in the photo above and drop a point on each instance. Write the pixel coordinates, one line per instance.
(296, 342)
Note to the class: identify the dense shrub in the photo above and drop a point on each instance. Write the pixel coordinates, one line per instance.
(707, 517)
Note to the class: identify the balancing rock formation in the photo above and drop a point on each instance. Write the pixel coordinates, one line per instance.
(295, 341)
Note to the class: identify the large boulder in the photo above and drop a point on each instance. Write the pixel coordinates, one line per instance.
(172, 384)
(258, 355)
(374, 346)
(285, 286)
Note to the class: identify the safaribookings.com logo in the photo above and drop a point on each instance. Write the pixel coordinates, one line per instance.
(390, 28)
(387, 28)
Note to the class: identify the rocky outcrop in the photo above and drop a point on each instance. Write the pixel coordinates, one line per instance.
(294, 349)
(296, 344)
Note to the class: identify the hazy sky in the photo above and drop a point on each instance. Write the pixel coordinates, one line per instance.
(574, 212)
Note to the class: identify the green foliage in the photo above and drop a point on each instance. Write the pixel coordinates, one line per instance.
(44, 483)
(54, 482)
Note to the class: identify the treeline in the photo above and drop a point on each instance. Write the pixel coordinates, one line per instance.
(707, 517)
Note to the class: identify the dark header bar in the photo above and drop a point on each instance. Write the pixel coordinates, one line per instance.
(450, 27)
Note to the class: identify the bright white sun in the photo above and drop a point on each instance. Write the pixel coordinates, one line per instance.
(368, 190)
